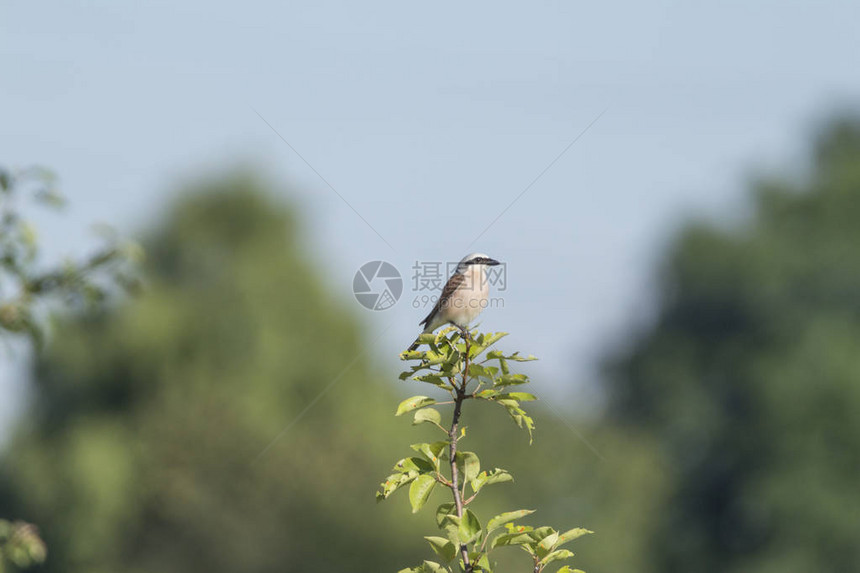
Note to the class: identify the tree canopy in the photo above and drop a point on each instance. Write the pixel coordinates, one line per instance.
(149, 445)
(749, 378)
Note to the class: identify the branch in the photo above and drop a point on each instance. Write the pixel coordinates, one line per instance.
(459, 397)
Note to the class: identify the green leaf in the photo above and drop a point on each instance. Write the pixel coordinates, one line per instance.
(516, 356)
(451, 527)
(493, 337)
(434, 379)
(510, 539)
(413, 403)
(434, 358)
(442, 547)
(393, 483)
(433, 452)
(426, 567)
(547, 544)
(483, 373)
(483, 341)
(454, 360)
(441, 337)
(481, 561)
(556, 556)
(444, 511)
(540, 533)
(507, 379)
(572, 534)
(476, 370)
(420, 490)
(521, 396)
(427, 338)
(487, 394)
(411, 355)
(497, 475)
(518, 415)
(433, 567)
(507, 517)
(413, 464)
(469, 528)
(430, 415)
(469, 465)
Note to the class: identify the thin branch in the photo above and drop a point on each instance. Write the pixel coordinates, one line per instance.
(459, 397)
(61, 277)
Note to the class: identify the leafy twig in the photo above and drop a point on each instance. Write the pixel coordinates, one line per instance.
(451, 363)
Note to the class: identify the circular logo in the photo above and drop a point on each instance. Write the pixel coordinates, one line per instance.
(377, 285)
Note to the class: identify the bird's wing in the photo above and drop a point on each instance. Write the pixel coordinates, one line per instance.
(453, 284)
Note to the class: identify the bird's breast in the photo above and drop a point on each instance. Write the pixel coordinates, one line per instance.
(467, 302)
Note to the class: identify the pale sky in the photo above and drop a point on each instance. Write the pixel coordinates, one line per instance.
(430, 119)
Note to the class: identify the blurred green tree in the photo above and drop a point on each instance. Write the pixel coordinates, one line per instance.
(30, 290)
(147, 446)
(749, 380)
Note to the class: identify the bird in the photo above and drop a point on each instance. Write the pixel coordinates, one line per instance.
(464, 296)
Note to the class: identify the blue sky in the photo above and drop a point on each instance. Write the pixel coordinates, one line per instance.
(429, 120)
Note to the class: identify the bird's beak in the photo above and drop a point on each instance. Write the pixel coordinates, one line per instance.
(492, 262)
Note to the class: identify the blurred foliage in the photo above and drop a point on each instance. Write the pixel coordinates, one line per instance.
(466, 366)
(27, 287)
(20, 544)
(28, 290)
(151, 445)
(749, 380)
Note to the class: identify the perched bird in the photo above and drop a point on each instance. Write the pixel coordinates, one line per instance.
(464, 296)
